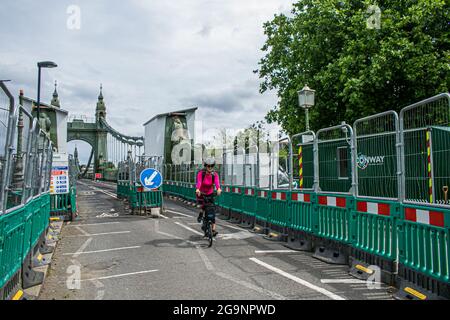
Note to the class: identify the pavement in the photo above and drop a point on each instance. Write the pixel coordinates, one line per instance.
(106, 253)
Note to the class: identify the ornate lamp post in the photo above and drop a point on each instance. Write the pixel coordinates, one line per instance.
(306, 101)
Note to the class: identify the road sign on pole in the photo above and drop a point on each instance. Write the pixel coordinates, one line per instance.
(151, 179)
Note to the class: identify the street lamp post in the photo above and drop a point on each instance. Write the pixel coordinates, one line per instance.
(42, 64)
(306, 101)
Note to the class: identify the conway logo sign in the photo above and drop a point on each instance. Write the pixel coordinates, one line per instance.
(363, 161)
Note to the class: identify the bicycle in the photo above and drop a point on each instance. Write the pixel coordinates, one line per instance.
(209, 208)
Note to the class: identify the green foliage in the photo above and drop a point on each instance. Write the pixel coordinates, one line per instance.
(355, 70)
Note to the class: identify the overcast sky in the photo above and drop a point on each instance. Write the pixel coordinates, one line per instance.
(151, 56)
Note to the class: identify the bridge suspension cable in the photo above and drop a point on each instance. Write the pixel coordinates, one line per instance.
(120, 145)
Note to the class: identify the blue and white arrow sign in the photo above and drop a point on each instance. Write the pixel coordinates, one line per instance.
(151, 178)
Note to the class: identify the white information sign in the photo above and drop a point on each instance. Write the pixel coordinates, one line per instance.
(59, 182)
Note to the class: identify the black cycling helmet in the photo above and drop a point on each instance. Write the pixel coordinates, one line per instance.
(210, 162)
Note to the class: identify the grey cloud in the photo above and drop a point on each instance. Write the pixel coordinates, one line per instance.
(149, 55)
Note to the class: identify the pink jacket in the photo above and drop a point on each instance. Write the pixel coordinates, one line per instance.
(206, 186)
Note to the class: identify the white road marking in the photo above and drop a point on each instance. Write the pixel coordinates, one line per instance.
(179, 213)
(380, 298)
(80, 250)
(82, 231)
(190, 229)
(237, 236)
(275, 251)
(230, 226)
(107, 215)
(380, 294)
(98, 234)
(349, 280)
(251, 286)
(205, 259)
(120, 275)
(298, 280)
(91, 224)
(106, 250)
(163, 216)
(105, 192)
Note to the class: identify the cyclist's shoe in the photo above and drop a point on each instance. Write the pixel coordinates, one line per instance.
(215, 233)
(199, 218)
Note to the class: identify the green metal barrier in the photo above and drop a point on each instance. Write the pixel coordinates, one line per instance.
(279, 208)
(374, 227)
(140, 198)
(63, 204)
(226, 197)
(11, 243)
(262, 205)
(59, 204)
(236, 199)
(302, 211)
(38, 216)
(249, 201)
(20, 231)
(190, 193)
(424, 241)
(332, 217)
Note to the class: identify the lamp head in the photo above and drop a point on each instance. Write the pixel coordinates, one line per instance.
(47, 64)
(306, 97)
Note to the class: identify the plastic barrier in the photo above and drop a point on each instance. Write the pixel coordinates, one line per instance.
(374, 238)
(424, 252)
(248, 207)
(12, 251)
(332, 224)
(279, 210)
(236, 204)
(141, 200)
(63, 204)
(262, 213)
(301, 225)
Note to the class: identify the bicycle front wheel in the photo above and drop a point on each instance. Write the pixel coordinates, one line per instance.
(210, 235)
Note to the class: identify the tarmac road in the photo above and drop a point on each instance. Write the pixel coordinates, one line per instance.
(116, 255)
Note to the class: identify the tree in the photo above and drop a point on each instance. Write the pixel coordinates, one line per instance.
(356, 68)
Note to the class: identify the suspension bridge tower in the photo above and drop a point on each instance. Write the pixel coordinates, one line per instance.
(101, 136)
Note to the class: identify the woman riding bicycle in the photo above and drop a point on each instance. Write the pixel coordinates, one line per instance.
(206, 180)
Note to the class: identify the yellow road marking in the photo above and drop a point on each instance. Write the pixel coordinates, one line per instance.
(415, 293)
(364, 269)
(18, 295)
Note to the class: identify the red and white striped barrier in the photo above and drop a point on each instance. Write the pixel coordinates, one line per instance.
(382, 209)
(262, 194)
(301, 197)
(249, 192)
(432, 218)
(333, 201)
(279, 196)
(236, 190)
(227, 189)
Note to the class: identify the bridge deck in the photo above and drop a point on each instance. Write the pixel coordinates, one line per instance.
(131, 257)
